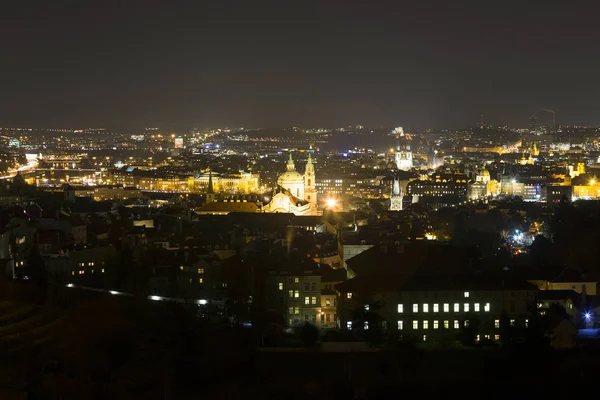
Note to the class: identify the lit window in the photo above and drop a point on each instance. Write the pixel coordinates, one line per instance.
(486, 308)
(297, 310)
(425, 307)
(296, 280)
(181, 267)
(297, 294)
(291, 293)
(366, 325)
(456, 307)
(102, 270)
(201, 271)
(91, 264)
(291, 310)
(466, 323)
(496, 323)
(496, 337)
(456, 324)
(435, 324)
(313, 300)
(415, 324)
(476, 307)
(424, 338)
(446, 324)
(400, 325)
(415, 308)
(349, 295)
(526, 323)
(446, 307)
(327, 301)
(512, 322)
(72, 272)
(349, 325)
(466, 295)
(477, 338)
(366, 307)
(280, 285)
(307, 300)
(436, 308)
(400, 308)
(200, 280)
(466, 307)
(425, 324)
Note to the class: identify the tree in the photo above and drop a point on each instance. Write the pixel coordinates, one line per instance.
(368, 323)
(37, 273)
(309, 334)
(469, 330)
(505, 329)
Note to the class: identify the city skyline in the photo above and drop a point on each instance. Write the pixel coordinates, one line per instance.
(325, 64)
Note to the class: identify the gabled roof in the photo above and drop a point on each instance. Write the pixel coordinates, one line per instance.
(229, 207)
(421, 282)
(558, 295)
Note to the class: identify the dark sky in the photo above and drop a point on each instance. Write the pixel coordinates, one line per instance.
(129, 64)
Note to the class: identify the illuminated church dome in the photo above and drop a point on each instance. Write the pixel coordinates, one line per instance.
(483, 176)
(292, 180)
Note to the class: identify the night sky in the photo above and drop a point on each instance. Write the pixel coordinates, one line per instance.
(127, 64)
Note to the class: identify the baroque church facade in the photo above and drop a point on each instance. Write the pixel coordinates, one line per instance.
(295, 193)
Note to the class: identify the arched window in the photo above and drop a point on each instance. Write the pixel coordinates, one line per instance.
(308, 181)
(297, 192)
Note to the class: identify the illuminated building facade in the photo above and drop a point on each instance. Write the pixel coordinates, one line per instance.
(295, 292)
(430, 310)
(368, 186)
(442, 190)
(396, 196)
(591, 191)
(295, 193)
(242, 182)
(403, 157)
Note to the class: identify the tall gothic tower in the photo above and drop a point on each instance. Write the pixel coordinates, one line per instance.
(403, 155)
(396, 196)
(211, 196)
(310, 190)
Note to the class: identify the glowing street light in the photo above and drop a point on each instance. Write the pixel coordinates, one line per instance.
(592, 182)
(331, 203)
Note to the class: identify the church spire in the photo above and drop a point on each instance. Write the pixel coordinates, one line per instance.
(210, 183)
(290, 164)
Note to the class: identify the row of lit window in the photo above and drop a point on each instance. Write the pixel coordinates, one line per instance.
(435, 324)
(90, 264)
(310, 300)
(200, 270)
(296, 280)
(82, 271)
(445, 307)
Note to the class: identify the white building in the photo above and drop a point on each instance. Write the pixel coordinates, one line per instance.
(295, 193)
(403, 156)
(396, 196)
